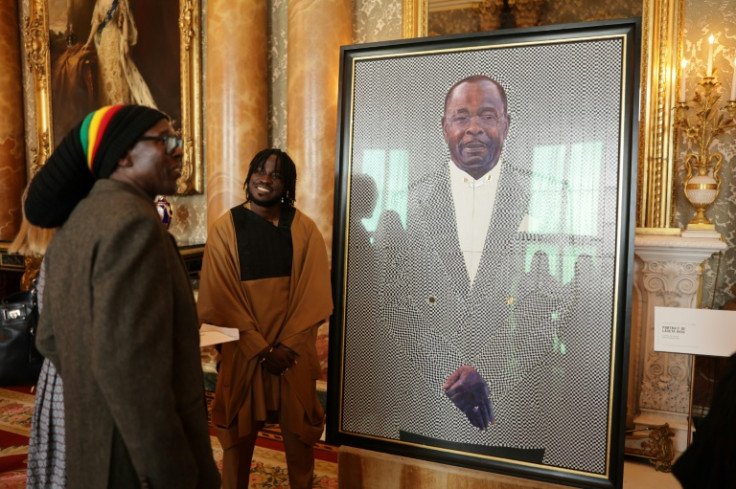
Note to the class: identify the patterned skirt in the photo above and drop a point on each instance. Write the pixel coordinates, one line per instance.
(46, 447)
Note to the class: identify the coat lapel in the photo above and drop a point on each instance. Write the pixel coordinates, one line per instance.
(440, 229)
(501, 266)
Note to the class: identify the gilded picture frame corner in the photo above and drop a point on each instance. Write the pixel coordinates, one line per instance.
(190, 29)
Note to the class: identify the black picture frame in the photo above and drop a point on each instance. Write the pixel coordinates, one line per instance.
(572, 94)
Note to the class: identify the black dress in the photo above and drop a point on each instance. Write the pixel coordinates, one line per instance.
(710, 461)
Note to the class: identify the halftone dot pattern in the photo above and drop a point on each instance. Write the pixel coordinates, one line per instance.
(537, 321)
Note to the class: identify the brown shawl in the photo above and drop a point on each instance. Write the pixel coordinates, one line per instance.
(268, 311)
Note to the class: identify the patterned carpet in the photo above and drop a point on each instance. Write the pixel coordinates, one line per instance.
(16, 407)
(268, 470)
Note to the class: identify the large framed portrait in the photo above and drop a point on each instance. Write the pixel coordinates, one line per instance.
(85, 54)
(483, 249)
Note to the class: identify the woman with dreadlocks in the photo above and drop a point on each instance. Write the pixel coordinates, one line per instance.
(265, 272)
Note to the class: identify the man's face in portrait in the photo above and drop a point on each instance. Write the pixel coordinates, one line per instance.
(475, 125)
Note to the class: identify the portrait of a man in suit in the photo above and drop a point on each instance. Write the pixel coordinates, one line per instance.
(474, 126)
(469, 325)
(472, 324)
(480, 254)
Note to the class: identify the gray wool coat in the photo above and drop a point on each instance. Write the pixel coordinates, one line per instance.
(120, 325)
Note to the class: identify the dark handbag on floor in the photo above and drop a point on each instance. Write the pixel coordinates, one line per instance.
(20, 362)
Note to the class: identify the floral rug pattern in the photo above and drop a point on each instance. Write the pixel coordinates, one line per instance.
(268, 470)
(16, 409)
(264, 476)
(15, 479)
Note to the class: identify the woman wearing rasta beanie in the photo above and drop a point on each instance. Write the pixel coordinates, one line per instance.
(119, 321)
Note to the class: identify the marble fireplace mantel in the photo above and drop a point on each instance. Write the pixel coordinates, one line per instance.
(667, 272)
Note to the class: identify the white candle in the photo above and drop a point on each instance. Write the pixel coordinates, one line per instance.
(682, 80)
(709, 71)
(733, 83)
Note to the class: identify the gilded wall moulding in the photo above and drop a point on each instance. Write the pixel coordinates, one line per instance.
(190, 27)
(414, 18)
(662, 32)
(36, 44)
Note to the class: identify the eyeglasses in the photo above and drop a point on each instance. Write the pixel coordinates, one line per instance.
(171, 142)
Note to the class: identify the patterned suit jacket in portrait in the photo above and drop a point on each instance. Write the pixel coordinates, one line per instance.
(414, 318)
(502, 324)
(433, 321)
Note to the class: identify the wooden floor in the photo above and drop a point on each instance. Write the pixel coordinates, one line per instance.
(364, 469)
(641, 475)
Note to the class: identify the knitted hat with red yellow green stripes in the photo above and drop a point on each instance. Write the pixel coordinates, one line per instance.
(90, 151)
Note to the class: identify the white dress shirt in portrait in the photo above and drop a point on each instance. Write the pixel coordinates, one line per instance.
(474, 200)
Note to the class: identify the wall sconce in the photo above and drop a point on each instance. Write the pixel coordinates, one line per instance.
(702, 122)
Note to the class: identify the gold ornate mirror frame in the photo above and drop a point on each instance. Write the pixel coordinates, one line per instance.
(662, 31)
(414, 18)
(38, 111)
(662, 41)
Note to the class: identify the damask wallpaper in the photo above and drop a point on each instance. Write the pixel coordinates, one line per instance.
(717, 17)
(189, 223)
(278, 24)
(376, 20)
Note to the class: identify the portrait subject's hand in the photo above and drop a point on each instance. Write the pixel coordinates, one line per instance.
(469, 392)
(277, 360)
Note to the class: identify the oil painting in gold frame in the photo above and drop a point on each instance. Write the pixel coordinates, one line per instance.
(151, 59)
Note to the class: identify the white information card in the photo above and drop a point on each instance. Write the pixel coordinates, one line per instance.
(695, 331)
